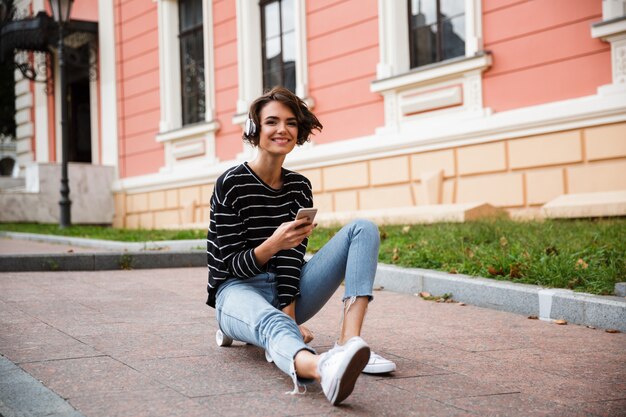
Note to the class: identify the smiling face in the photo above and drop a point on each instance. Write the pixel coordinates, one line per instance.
(279, 129)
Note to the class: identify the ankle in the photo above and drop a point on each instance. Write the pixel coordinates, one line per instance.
(305, 363)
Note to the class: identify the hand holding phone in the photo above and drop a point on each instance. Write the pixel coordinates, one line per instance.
(306, 213)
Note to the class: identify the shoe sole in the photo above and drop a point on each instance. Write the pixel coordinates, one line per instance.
(379, 369)
(346, 384)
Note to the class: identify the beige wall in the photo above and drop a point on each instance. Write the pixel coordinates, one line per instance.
(515, 173)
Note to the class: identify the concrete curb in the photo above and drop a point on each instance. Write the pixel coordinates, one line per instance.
(605, 312)
(101, 261)
(175, 245)
(21, 395)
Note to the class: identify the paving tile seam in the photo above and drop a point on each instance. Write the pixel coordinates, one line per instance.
(396, 378)
(61, 359)
(488, 395)
(456, 407)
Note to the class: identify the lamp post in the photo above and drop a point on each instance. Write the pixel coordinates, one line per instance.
(61, 14)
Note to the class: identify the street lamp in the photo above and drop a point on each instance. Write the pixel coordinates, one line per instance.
(61, 12)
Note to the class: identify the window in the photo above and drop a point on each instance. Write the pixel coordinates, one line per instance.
(191, 61)
(187, 91)
(278, 34)
(431, 61)
(436, 30)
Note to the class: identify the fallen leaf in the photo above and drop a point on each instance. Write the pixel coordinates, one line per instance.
(378, 288)
(560, 322)
(580, 263)
(450, 300)
(406, 229)
(70, 250)
(424, 294)
(533, 317)
(612, 331)
(494, 271)
(503, 241)
(590, 327)
(383, 235)
(453, 271)
(469, 253)
(396, 255)
(514, 271)
(411, 246)
(461, 304)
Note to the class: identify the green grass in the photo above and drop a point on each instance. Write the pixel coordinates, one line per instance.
(583, 255)
(106, 233)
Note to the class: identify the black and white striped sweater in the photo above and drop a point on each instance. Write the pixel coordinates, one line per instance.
(245, 211)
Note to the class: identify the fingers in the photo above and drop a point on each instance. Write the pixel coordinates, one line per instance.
(307, 335)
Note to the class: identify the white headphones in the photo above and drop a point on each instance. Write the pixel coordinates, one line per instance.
(250, 128)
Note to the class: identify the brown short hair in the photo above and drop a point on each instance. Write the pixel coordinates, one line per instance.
(307, 121)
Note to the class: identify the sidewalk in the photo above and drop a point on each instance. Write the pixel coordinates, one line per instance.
(141, 342)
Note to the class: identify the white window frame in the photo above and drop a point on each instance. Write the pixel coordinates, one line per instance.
(445, 88)
(249, 51)
(249, 61)
(185, 146)
(612, 29)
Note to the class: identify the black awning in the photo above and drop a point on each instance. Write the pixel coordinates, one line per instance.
(37, 33)
(29, 34)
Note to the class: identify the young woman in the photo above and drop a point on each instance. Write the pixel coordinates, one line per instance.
(260, 285)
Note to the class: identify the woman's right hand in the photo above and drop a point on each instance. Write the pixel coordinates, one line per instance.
(288, 235)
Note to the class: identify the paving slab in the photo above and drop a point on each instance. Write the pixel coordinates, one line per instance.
(140, 342)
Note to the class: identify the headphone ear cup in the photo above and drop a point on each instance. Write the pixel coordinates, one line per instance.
(250, 128)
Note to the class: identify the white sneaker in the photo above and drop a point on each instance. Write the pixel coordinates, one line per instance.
(378, 365)
(340, 367)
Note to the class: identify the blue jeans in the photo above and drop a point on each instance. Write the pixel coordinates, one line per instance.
(246, 310)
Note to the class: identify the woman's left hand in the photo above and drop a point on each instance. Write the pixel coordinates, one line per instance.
(307, 335)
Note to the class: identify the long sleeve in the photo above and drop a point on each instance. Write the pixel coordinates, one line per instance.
(230, 244)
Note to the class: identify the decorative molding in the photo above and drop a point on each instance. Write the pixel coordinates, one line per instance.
(187, 131)
(418, 136)
(614, 32)
(431, 84)
(428, 74)
(195, 141)
(438, 98)
(608, 28)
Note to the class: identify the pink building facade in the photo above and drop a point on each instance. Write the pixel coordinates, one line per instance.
(507, 102)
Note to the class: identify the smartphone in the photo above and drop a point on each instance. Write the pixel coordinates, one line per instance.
(306, 213)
